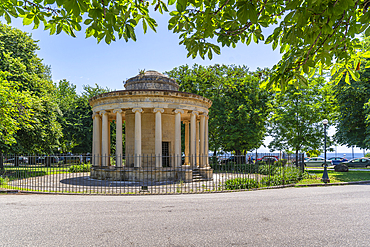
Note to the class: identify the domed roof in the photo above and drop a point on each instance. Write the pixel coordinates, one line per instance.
(151, 80)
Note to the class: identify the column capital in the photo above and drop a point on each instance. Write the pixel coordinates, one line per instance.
(186, 121)
(137, 110)
(195, 112)
(95, 114)
(103, 112)
(117, 110)
(161, 110)
(178, 111)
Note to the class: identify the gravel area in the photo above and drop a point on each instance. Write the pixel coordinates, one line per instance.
(82, 183)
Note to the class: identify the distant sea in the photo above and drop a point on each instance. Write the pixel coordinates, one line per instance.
(344, 155)
(328, 155)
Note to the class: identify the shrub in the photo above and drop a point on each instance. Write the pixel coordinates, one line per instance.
(240, 183)
(232, 167)
(286, 175)
(3, 180)
(274, 176)
(268, 169)
(80, 168)
(281, 162)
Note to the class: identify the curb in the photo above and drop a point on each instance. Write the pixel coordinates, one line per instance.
(333, 184)
(9, 191)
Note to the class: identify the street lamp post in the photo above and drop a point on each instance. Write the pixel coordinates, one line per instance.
(325, 176)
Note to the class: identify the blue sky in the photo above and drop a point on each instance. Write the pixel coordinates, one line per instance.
(84, 62)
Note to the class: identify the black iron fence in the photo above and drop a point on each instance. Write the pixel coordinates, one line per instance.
(148, 174)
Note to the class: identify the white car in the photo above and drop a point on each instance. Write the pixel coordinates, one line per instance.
(317, 162)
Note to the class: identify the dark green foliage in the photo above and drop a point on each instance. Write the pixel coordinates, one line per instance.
(309, 34)
(76, 115)
(241, 183)
(41, 132)
(239, 109)
(231, 167)
(352, 102)
(273, 176)
(287, 175)
(80, 168)
(297, 114)
(3, 180)
(260, 167)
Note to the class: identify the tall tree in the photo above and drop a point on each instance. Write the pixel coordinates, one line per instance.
(84, 123)
(14, 109)
(76, 116)
(352, 101)
(22, 67)
(297, 114)
(310, 33)
(67, 97)
(239, 110)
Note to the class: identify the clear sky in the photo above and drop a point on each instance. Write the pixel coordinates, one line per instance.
(84, 62)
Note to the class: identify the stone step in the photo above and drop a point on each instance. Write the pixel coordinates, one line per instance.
(197, 177)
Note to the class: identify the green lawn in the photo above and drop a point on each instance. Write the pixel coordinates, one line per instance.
(337, 177)
(21, 172)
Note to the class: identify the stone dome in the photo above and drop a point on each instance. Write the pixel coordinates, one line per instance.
(151, 80)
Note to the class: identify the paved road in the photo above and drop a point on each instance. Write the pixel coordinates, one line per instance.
(319, 216)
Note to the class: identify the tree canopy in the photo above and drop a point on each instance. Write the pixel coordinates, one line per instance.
(309, 34)
(352, 102)
(31, 107)
(75, 117)
(297, 114)
(239, 109)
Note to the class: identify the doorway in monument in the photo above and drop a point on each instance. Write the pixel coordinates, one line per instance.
(166, 154)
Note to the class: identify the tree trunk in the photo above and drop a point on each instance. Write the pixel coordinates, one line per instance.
(48, 161)
(296, 158)
(1, 164)
(32, 160)
(16, 160)
(240, 159)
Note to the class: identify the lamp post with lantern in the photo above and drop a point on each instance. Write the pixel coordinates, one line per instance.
(325, 176)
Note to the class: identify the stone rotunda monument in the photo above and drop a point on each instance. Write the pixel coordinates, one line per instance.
(153, 110)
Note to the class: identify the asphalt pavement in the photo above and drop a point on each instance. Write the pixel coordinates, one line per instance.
(314, 216)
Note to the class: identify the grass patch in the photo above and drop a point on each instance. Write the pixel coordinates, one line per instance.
(337, 177)
(14, 173)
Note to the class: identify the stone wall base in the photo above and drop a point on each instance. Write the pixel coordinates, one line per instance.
(139, 174)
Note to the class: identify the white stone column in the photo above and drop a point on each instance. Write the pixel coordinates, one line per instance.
(206, 140)
(100, 139)
(158, 136)
(186, 142)
(202, 140)
(105, 138)
(177, 153)
(138, 154)
(118, 137)
(109, 140)
(96, 139)
(193, 121)
(197, 151)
